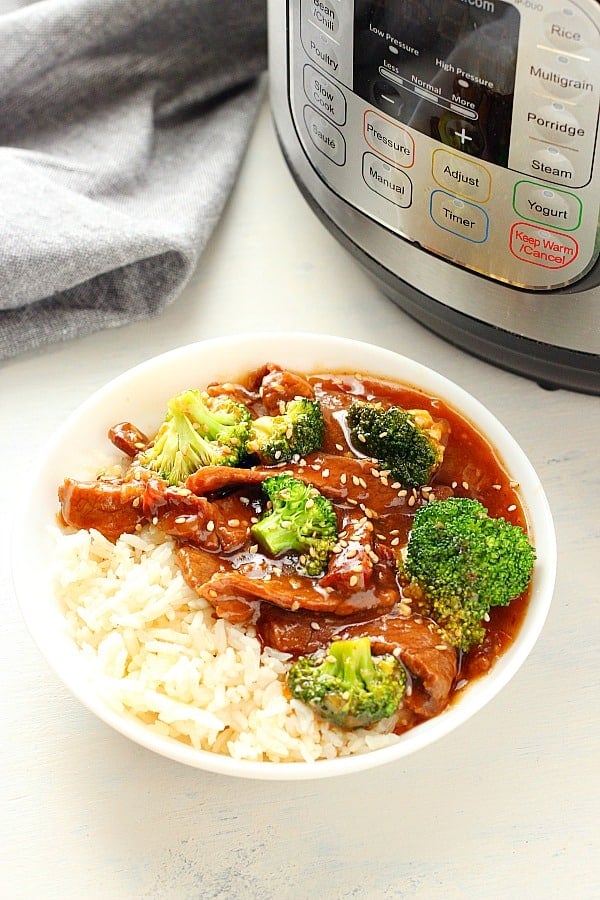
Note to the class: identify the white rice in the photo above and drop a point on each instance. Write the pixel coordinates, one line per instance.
(156, 651)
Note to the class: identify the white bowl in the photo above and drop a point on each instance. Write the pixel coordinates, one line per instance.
(140, 395)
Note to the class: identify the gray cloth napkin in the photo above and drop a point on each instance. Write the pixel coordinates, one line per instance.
(122, 126)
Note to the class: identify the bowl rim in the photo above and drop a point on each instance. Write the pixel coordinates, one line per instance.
(423, 378)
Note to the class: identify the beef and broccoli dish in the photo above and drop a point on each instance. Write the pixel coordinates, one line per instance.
(362, 532)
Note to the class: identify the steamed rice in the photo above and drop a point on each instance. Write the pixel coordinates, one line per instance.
(156, 651)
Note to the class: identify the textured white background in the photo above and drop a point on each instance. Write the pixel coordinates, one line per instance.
(507, 806)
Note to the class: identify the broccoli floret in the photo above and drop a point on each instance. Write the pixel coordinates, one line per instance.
(349, 687)
(393, 437)
(465, 562)
(298, 430)
(299, 519)
(198, 430)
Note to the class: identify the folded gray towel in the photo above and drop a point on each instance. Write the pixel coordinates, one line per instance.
(122, 126)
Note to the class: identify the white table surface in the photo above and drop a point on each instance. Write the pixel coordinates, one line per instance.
(507, 806)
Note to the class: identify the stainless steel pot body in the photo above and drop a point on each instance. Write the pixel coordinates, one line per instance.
(456, 157)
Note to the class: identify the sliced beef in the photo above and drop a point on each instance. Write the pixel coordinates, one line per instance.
(350, 566)
(337, 477)
(115, 507)
(295, 592)
(194, 519)
(197, 567)
(128, 438)
(110, 507)
(432, 664)
(279, 386)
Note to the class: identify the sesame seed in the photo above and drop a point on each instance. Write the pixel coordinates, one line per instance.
(497, 487)
(210, 526)
(351, 553)
(512, 507)
(465, 485)
(362, 438)
(139, 445)
(454, 484)
(136, 502)
(155, 520)
(396, 485)
(339, 447)
(180, 520)
(395, 541)
(295, 606)
(440, 647)
(315, 626)
(355, 480)
(212, 593)
(233, 523)
(353, 580)
(411, 500)
(343, 478)
(362, 483)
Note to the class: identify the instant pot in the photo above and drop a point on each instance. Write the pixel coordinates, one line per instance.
(451, 146)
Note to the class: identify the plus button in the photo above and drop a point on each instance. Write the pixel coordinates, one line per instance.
(463, 135)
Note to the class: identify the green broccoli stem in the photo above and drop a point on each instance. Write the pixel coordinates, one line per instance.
(354, 661)
(275, 535)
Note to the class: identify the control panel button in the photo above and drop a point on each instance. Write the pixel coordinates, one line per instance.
(389, 140)
(542, 246)
(326, 28)
(387, 180)
(564, 77)
(325, 136)
(556, 123)
(567, 30)
(461, 176)
(323, 14)
(324, 95)
(323, 52)
(460, 217)
(551, 164)
(547, 206)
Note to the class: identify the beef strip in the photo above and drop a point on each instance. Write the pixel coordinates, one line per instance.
(424, 654)
(337, 477)
(112, 507)
(296, 592)
(350, 566)
(115, 507)
(279, 386)
(128, 438)
(432, 664)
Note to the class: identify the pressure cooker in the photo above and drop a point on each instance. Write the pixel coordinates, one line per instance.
(452, 147)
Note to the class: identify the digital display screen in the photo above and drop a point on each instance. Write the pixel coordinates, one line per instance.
(443, 67)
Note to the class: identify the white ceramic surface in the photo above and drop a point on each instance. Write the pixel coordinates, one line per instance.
(139, 395)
